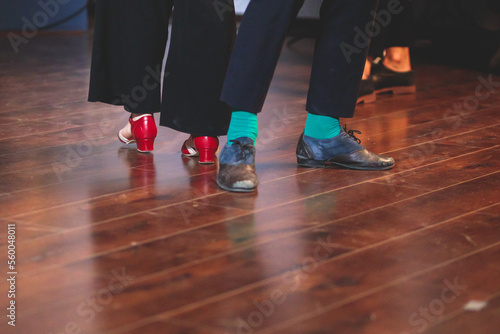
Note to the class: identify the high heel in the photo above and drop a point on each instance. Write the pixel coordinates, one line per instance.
(204, 146)
(145, 145)
(207, 147)
(143, 133)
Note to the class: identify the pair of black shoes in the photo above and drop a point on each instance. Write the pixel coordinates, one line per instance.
(237, 161)
(384, 80)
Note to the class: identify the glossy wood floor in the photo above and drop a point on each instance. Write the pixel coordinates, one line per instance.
(113, 241)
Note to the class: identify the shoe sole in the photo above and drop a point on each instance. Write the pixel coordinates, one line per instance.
(370, 98)
(196, 155)
(397, 90)
(189, 155)
(237, 190)
(328, 164)
(128, 142)
(125, 140)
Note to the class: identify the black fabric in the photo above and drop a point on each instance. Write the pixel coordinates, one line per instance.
(203, 32)
(399, 31)
(336, 73)
(129, 46)
(335, 77)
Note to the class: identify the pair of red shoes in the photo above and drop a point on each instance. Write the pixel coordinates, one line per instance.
(144, 133)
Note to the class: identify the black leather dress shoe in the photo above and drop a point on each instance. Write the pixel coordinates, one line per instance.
(343, 150)
(237, 166)
(386, 80)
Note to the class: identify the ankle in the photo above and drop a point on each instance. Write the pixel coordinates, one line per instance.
(243, 124)
(321, 127)
(368, 68)
(398, 59)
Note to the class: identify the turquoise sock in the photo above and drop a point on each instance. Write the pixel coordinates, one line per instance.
(243, 124)
(321, 127)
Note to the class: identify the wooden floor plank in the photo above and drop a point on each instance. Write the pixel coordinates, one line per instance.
(415, 305)
(485, 138)
(486, 320)
(317, 291)
(185, 214)
(76, 214)
(279, 258)
(444, 174)
(113, 241)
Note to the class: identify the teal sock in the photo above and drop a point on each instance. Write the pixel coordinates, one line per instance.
(243, 124)
(321, 127)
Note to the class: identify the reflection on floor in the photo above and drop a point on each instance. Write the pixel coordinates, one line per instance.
(113, 241)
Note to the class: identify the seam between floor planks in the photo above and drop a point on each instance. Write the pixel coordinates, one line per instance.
(357, 120)
(220, 297)
(248, 287)
(72, 180)
(380, 288)
(236, 250)
(351, 253)
(196, 198)
(248, 211)
(459, 312)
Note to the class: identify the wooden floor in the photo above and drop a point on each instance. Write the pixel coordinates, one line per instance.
(112, 241)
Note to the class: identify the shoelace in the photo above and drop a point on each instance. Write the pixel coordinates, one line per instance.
(245, 149)
(351, 133)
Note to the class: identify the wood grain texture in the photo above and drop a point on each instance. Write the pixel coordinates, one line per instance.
(112, 241)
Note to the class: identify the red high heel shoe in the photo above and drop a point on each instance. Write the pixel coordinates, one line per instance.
(204, 146)
(143, 133)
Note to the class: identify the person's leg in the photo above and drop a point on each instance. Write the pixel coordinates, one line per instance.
(367, 69)
(339, 57)
(399, 38)
(394, 74)
(390, 42)
(257, 48)
(366, 91)
(203, 32)
(397, 58)
(256, 52)
(336, 73)
(129, 45)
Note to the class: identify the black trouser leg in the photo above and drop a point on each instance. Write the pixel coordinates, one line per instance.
(335, 77)
(257, 48)
(129, 44)
(202, 38)
(339, 57)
